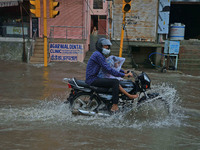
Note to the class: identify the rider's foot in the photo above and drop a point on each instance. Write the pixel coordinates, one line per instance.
(114, 108)
(133, 96)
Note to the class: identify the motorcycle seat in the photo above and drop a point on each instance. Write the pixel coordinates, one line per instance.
(82, 83)
(101, 90)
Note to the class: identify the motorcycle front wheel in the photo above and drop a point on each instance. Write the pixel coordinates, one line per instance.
(84, 102)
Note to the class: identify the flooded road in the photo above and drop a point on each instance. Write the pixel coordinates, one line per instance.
(33, 115)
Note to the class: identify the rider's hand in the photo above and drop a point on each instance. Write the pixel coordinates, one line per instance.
(129, 74)
(126, 71)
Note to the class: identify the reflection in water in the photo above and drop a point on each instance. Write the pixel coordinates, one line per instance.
(45, 83)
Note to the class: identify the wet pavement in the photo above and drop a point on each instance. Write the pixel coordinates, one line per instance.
(33, 115)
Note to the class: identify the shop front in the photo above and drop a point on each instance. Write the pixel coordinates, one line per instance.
(14, 29)
(14, 18)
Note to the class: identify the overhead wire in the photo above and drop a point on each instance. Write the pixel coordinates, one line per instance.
(25, 9)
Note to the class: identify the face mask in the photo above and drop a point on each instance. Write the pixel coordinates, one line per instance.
(106, 51)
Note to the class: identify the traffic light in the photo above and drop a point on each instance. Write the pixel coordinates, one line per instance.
(126, 6)
(52, 5)
(36, 4)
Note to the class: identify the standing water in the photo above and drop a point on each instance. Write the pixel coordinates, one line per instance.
(33, 115)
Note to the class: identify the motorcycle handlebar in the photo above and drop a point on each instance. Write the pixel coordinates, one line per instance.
(134, 74)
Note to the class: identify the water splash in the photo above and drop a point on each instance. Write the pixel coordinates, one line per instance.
(55, 112)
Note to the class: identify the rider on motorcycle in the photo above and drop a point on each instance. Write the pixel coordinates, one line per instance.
(98, 61)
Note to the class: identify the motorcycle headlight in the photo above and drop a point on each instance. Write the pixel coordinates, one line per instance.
(145, 81)
(146, 78)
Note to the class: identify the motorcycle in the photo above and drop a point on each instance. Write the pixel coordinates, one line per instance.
(90, 100)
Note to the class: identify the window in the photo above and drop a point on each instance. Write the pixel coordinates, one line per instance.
(97, 4)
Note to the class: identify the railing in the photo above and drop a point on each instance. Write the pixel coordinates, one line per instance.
(33, 42)
(69, 32)
(31, 47)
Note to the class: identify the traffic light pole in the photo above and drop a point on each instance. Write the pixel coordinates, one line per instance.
(45, 31)
(52, 12)
(122, 35)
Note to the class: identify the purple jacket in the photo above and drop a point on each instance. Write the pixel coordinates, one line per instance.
(95, 63)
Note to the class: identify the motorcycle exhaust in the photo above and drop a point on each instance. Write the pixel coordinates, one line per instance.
(89, 113)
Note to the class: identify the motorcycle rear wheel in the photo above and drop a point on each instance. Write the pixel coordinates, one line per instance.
(85, 102)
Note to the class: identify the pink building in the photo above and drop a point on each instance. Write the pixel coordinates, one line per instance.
(76, 20)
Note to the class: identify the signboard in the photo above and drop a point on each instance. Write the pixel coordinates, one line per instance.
(141, 22)
(171, 47)
(16, 30)
(174, 47)
(163, 16)
(8, 4)
(66, 52)
(163, 23)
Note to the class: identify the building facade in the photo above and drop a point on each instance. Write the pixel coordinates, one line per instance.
(75, 21)
(147, 25)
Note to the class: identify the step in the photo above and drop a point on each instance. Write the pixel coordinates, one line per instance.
(39, 48)
(36, 62)
(39, 55)
(189, 64)
(190, 49)
(36, 59)
(190, 42)
(188, 68)
(189, 56)
(39, 39)
(187, 61)
(41, 45)
(193, 52)
(38, 51)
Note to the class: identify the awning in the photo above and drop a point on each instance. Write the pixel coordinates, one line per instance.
(8, 3)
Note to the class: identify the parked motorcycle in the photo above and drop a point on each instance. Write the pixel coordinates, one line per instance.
(91, 100)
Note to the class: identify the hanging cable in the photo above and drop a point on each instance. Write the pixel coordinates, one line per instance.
(152, 61)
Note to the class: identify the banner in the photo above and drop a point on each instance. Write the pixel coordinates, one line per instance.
(66, 52)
